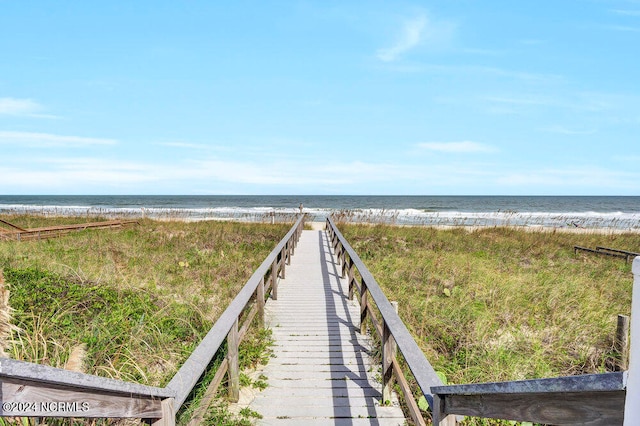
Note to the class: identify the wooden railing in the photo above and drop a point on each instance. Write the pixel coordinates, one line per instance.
(33, 390)
(594, 399)
(20, 234)
(390, 329)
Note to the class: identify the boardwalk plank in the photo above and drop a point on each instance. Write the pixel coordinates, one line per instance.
(321, 372)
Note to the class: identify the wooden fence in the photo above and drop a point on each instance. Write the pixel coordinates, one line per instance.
(33, 390)
(606, 251)
(20, 234)
(594, 399)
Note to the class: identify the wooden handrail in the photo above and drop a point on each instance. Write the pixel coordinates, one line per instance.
(15, 369)
(418, 364)
(594, 399)
(29, 389)
(188, 375)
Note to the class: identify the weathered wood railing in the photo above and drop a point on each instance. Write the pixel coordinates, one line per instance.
(33, 390)
(390, 329)
(595, 399)
(19, 234)
(606, 251)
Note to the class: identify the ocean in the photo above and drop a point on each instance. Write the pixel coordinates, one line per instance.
(618, 212)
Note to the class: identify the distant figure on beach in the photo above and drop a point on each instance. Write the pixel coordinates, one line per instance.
(301, 207)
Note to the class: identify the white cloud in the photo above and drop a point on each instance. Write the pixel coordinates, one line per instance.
(418, 31)
(623, 28)
(520, 100)
(572, 177)
(185, 145)
(22, 108)
(567, 131)
(456, 147)
(532, 41)
(12, 106)
(627, 12)
(48, 140)
(412, 33)
(113, 175)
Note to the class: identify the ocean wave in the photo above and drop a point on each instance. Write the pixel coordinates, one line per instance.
(407, 216)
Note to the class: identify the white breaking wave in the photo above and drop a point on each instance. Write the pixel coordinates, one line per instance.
(590, 219)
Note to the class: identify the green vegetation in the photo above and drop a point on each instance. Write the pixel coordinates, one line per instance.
(127, 334)
(498, 304)
(200, 263)
(130, 303)
(485, 305)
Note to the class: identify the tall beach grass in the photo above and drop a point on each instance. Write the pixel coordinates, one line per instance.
(499, 304)
(129, 303)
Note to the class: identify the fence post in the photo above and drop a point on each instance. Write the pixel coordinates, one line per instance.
(350, 274)
(283, 262)
(438, 417)
(168, 413)
(294, 243)
(389, 350)
(233, 362)
(260, 300)
(622, 343)
(631, 406)
(364, 308)
(274, 279)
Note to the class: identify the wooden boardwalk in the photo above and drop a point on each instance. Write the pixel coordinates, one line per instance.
(322, 372)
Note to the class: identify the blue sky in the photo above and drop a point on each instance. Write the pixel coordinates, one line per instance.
(320, 97)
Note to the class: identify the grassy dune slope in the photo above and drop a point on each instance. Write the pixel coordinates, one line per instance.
(135, 300)
(502, 304)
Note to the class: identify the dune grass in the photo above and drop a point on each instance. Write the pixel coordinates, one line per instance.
(499, 304)
(129, 334)
(202, 263)
(484, 305)
(129, 303)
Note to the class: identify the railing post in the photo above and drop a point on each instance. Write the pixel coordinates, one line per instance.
(283, 262)
(233, 362)
(437, 415)
(260, 300)
(350, 274)
(294, 243)
(622, 343)
(364, 308)
(389, 350)
(168, 413)
(631, 406)
(274, 279)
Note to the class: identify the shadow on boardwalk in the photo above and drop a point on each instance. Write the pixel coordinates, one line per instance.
(322, 372)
